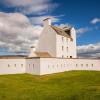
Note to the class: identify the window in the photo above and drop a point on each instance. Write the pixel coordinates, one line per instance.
(15, 65)
(62, 38)
(8, 65)
(92, 65)
(33, 65)
(67, 49)
(70, 56)
(62, 56)
(67, 41)
(29, 65)
(76, 65)
(87, 65)
(62, 47)
(21, 65)
(82, 65)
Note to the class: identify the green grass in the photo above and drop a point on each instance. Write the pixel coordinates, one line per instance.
(73, 85)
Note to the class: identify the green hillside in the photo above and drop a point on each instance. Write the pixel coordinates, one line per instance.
(72, 85)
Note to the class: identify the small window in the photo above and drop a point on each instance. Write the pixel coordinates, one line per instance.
(81, 65)
(67, 49)
(29, 65)
(87, 65)
(62, 48)
(62, 56)
(76, 65)
(62, 38)
(21, 65)
(92, 65)
(15, 65)
(70, 56)
(33, 65)
(8, 65)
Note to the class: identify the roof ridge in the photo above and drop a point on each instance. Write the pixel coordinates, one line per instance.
(60, 31)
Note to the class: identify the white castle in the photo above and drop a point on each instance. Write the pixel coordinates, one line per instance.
(56, 52)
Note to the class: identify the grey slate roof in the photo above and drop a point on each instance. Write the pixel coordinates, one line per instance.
(63, 32)
(42, 54)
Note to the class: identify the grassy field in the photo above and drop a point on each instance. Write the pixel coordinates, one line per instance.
(73, 85)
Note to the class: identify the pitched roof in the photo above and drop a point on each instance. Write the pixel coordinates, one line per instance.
(46, 19)
(12, 57)
(42, 54)
(63, 32)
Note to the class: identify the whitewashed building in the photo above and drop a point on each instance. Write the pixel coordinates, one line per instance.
(58, 42)
(56, 52)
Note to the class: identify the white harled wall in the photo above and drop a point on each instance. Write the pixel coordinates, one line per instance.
(47, 41)
(33, 66)
(56, 65)
(72, 44)
(56, 45)
(65, 47)
(52, 43)
(42, 66)
(12, 66)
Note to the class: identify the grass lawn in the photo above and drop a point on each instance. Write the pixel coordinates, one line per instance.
(72, 85)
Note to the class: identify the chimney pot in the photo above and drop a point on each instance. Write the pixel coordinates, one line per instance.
(47, 22)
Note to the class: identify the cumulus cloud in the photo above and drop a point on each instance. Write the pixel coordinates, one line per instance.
(16, 32)
(80, 31)
(95, 20)
(90, 50)
(17, 2)
(31, 6)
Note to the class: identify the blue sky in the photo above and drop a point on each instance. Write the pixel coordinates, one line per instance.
(84, 15)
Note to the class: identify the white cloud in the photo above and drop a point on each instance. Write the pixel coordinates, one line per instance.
(79, 31)
(90, 50)
(18, 2)
(64, 25)
(31, 6)
(95, 20)
(83, 30)
(16, 32)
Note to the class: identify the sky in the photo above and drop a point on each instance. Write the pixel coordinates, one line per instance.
(21, 23)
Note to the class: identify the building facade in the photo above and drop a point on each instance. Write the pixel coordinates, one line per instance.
(58, 42)
(56, 52)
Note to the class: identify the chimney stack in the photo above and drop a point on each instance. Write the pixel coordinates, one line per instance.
(47, 22)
